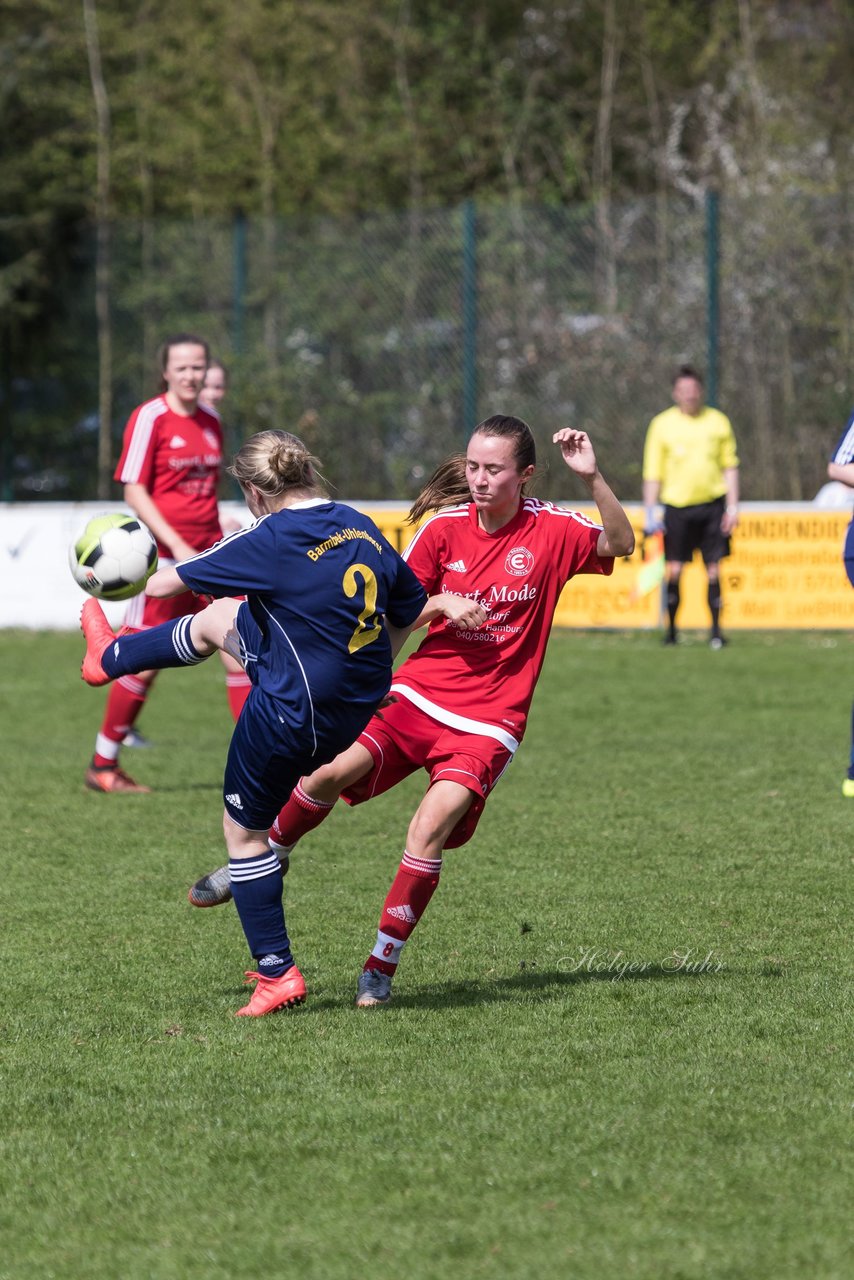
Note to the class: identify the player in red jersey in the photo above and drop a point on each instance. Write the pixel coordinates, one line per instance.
(463, 696)
(170, 468)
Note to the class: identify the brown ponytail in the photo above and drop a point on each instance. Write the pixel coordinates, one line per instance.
(447, 487)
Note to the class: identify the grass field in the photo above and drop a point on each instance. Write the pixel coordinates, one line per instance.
(619, 1045)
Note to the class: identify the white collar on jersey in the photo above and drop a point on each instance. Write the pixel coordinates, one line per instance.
(307, 502)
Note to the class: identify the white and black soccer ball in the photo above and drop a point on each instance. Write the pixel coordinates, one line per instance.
(114, 557)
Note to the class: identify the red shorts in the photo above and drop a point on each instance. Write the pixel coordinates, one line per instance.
(148, 611)
(402, 739)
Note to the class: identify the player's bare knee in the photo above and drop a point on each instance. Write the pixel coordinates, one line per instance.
(327, 782)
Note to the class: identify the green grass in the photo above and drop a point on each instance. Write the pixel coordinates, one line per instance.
(521, 1110)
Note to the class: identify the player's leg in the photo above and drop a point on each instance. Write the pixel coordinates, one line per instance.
(256, 883)
(714, 547)
(464, 769)
(124, 702)
(314, 797)
(848, 557)
(393, 744)
(716, 639)
(132, 659)
(257, 768)
(673, 578)
(387, 750)
(181, 643)
(675, 556)
(414, 884)
(309, 804)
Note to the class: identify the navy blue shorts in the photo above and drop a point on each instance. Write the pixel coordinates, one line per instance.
(266, 759)
(268, 755)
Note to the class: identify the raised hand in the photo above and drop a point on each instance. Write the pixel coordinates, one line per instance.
(577, 451)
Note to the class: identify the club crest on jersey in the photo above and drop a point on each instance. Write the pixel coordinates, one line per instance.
(210, 437)
(519, 562)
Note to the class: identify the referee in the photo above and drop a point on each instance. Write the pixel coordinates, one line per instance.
(690, 465)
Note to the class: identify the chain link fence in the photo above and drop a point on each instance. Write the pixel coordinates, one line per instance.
(382, 340)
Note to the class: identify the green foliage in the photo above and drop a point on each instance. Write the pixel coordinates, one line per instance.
(529, 1105)
(312, 109)
(342, 108)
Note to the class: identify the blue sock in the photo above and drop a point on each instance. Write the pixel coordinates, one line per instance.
(168, 645)
(256, 884)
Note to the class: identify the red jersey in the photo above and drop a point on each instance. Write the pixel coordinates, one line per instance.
(483, 681)
(178, 460)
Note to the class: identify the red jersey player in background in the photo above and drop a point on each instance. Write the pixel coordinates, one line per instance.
(215, 385)
(462, 698)
(170, 468)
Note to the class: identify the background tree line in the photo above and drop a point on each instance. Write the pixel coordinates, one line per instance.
(137, 137)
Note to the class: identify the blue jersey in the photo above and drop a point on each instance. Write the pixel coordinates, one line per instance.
(844, 451)
(843, 454)
(319, 579)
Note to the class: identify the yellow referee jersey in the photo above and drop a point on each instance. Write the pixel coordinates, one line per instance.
(688, 456)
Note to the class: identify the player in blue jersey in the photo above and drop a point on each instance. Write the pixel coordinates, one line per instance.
(328, 604)
(841, 468)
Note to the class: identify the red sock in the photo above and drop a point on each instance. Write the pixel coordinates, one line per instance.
(410, 892)
(300, 815)
(126, 700)
(237, 686)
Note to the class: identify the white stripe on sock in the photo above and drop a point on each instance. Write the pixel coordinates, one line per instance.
(106, 747)
(242, 869)
(184, 647)
(388, 948)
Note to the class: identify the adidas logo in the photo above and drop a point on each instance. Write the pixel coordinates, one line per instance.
(404, 913)
(458, 566)
(116, 649)
(177, 442)
(234, 800)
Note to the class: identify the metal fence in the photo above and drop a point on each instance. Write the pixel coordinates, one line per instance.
(382, 340)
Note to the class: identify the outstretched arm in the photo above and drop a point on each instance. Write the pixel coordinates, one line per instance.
(458, 610)
(165, 582)
(141, 502)
(617, 537)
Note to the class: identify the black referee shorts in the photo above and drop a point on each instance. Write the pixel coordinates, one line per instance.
(697, 528)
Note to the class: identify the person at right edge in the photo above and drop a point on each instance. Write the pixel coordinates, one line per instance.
(841, 468)
(690, 465)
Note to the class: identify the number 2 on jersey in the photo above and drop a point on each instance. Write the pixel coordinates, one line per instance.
(369, 625)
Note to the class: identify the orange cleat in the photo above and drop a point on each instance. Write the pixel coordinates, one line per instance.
(99, 634)
(273, 993)
(113, 780)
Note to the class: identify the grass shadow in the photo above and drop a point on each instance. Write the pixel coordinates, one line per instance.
(527, 981)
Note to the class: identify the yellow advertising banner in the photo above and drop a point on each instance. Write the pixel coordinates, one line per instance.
(785, 571)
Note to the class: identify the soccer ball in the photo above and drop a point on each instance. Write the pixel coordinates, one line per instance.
(114, 557)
